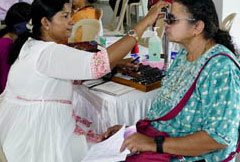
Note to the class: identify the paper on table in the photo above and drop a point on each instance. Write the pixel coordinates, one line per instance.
(108, 150)
(113, 88)
(90, 83)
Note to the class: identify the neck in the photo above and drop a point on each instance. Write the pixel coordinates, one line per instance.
(197, 47)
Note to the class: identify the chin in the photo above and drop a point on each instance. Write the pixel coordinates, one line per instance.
(170, 38)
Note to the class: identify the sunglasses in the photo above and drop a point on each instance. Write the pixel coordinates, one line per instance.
(171, 19)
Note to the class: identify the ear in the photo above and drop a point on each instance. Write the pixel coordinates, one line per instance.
(199, 27)
(45, 23)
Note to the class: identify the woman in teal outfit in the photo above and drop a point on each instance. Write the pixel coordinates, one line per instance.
(207, 127)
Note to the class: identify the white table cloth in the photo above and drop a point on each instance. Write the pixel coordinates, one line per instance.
(105, 110)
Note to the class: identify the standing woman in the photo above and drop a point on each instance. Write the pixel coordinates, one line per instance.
(36, 120)
(15, 20)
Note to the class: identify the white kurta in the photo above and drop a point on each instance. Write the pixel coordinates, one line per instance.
(36, 122)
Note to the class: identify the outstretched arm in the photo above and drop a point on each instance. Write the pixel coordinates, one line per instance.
(191, 145)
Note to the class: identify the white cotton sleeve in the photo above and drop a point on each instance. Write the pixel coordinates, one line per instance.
(63, 62)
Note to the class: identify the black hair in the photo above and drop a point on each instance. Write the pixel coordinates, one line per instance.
(17, 13)
(92, 1)
(39, 10)
(205, 11)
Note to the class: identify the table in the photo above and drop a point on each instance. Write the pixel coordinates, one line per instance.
(105, 110)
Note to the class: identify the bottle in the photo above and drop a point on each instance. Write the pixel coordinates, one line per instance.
(174, 51)
(155, 47)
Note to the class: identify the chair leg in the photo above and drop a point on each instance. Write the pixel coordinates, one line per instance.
(141, 1)
(137, 12)
(128, 16)
(114, 16)
(121, 17)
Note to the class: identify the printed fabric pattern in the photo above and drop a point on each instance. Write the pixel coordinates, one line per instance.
(100, 64)
(213, 107)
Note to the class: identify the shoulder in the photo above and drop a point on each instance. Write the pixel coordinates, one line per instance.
(36, 44)
(223, 58)
(5, 41)
(5, 45)
(221, 65)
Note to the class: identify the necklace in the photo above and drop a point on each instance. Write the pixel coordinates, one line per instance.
(183, 70)
(179, 81)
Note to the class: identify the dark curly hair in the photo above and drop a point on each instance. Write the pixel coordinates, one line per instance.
(17, 13)
(205, 11)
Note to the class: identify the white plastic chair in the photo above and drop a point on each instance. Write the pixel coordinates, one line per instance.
(129, 11)
(90, 29)
(99, 13)
(117, 28)
(227, 22)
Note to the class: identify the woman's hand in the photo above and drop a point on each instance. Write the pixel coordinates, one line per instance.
(128, 65)
(155, 12)
(139, 143)
(111, 131)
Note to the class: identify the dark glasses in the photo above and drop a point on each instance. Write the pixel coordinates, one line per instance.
(171, 19)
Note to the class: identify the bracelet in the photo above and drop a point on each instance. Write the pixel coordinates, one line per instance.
(159, 141)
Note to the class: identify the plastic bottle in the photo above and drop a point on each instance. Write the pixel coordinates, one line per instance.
(174, 51)
(155, 47)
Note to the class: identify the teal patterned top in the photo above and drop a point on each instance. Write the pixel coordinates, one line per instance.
(214, 106)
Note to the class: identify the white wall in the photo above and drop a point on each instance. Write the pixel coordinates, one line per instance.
(219, 8)
(230, 6)
(226, 7)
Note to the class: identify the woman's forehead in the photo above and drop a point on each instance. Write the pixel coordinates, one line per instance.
(179, 9)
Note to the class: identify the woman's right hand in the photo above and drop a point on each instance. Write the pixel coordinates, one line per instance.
(155, 12)
(111, 131)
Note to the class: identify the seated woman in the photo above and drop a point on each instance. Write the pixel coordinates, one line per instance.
(82, 10)
(36, 113)
(16, 19)
(207, 127)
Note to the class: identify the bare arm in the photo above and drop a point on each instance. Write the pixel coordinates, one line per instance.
(121, 48)
(191, 145)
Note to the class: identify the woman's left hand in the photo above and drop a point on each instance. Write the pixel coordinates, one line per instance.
(139, 143)
(128, 65)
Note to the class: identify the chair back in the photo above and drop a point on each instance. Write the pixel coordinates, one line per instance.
(99, 14)
(85, 30)
(227, 22)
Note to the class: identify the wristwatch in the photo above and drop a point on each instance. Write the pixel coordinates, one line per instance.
(133, 33)
(159, 141)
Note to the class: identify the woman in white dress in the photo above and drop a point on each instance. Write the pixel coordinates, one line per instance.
(36, 122)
